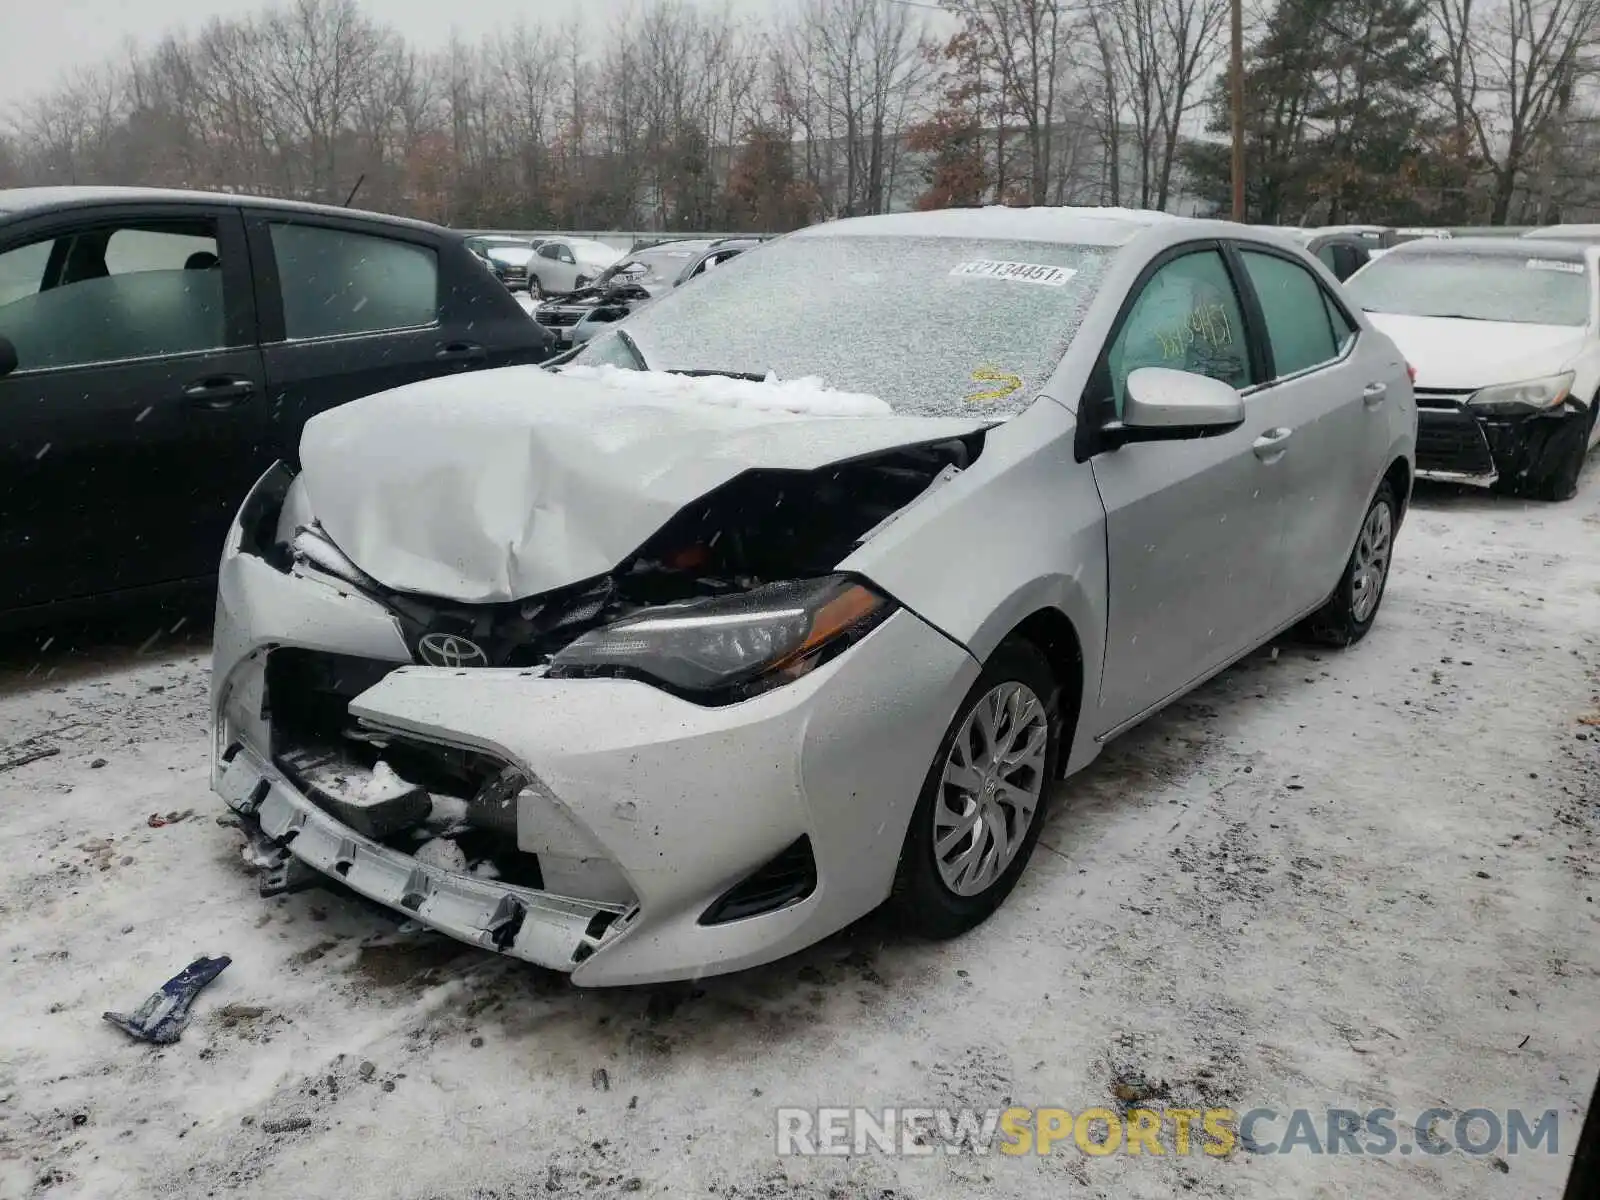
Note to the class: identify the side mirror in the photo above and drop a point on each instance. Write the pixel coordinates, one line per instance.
(8, 357)
(1163, 405)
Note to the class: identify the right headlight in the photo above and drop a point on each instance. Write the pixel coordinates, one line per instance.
(732, 647)
(1531, 395)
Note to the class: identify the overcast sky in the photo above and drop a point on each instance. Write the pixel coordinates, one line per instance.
(40, 40)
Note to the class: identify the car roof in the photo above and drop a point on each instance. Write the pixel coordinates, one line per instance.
(21, 202)
(1581, 233)
(1081, 226)
(1492, 247)
(1072, 226)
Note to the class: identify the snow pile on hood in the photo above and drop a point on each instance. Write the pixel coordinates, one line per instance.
(810, 396)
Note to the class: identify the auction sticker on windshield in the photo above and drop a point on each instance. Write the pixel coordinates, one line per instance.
(1552, 264)
(1015, 272)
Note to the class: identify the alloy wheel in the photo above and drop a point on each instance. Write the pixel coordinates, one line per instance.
(994, 777)
(1371, 565)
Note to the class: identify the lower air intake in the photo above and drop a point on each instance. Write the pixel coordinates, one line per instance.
(787, 879)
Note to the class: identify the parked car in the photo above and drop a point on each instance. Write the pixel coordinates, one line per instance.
(720, 251)
(749, 623)
(159, 349)
(637, 280)
(1505, 340)
(634, 279)
(1344, 250)
(507, 257)
(562, 265)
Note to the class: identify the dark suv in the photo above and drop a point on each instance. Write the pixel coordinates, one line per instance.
(160, 349)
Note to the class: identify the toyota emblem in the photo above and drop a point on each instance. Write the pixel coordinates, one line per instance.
(448, 650)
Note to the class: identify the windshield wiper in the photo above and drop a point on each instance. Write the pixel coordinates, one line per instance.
(700, 373)
(1457, 317)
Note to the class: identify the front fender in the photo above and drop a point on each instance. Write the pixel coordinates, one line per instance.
(1020, 530)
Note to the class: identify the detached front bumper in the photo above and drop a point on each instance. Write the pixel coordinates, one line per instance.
(676, 805)
(1455, 444)
(552, 931)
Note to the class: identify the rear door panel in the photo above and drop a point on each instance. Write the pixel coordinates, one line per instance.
(1337, 449)
(374, 334)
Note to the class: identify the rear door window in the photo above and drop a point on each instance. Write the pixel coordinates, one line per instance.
(1298, 325)
(335, 282)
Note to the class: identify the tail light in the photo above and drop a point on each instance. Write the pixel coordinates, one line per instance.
(1411, 372)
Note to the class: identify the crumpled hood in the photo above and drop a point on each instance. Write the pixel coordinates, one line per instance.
(1456, 354)
(497, 485)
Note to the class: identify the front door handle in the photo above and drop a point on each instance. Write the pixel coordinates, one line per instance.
(461, 352)
(1374, 394)
(219, 392)
(1269, 447)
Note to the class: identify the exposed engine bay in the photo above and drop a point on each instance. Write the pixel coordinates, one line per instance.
(601, 302)
(763, 526)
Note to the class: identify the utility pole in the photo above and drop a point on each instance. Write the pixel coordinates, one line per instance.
(1236, 98)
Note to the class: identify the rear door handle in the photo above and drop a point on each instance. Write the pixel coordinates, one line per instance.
(219, 392)
(1374, 394)
(1269, 447)
(461, 352)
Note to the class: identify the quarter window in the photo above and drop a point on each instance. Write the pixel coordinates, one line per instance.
(335, 282)
(1186, 318)
(1298, 324)
(1344, 330)
(112, 293)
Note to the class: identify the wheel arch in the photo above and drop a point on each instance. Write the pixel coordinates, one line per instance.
(1053, 634)
(1399, 477)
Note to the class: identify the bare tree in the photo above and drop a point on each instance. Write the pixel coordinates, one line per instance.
(872, 67)
(1164, 50)
(1511, 67)
(1027, 43)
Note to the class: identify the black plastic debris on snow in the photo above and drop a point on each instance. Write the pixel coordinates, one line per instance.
(162, 1017)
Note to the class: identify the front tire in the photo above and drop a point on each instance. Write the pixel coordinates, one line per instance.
(535, 288)
(983, 801)
(1349, 613)
(1555, 455)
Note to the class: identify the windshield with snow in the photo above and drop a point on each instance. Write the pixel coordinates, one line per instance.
(934, 326)
(1531, 288)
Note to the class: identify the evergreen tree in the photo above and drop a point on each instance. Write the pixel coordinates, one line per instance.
(1336, 121)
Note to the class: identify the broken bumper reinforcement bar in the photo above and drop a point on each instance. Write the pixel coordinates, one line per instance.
(286, 830)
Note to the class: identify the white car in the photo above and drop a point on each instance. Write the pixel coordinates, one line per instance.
(792, 593)
(1504, 336)
(565, 264)
(1565, 233)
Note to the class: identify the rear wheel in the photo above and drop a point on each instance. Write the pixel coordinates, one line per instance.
(1353, 607)
(535, 288)
(982, 803)
(580, 283)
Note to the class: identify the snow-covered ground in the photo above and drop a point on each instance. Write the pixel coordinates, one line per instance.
(1352, 879)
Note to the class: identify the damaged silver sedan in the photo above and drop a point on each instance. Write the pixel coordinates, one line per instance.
(791, 594)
